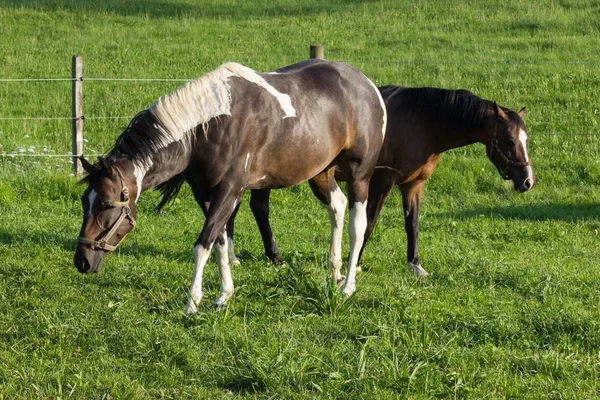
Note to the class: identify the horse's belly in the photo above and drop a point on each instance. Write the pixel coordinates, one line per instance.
(287, 167)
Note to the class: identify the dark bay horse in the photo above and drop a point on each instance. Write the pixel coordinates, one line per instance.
(422, 124)
(235, 129)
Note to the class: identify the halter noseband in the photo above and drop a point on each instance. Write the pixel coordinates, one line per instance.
(494, 145)
(102, 243)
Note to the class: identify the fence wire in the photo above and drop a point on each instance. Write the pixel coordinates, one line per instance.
(357, 61)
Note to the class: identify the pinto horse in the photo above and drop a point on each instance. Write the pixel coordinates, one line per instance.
(422, 124)
(235, 129)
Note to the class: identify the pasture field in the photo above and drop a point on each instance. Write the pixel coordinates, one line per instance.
(511, 309)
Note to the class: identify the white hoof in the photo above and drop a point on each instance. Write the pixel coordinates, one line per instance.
(348, 289)
(235, 261)
(417, 269)
(191, 309)
(223, 298)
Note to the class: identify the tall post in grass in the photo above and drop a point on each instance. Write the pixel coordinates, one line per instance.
(77, 112)
(317, 51)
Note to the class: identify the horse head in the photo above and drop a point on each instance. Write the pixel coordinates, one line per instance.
(108, 213)
(507, 147)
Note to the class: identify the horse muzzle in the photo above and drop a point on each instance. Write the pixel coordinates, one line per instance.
(88, 261)
(524, 182)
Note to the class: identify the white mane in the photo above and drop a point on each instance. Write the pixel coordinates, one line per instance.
(202, 99)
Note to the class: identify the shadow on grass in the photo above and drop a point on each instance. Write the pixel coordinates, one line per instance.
(163, 9)
(47, 239)
(569, 212)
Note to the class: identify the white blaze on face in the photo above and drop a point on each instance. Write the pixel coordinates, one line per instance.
(523, 141)
(92, 195)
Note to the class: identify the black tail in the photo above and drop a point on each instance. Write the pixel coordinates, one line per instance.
(169, 190)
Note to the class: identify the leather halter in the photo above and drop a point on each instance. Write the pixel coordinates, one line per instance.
(102, 243)
(495, 146)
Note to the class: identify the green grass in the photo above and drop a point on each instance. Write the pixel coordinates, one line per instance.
(510, 309)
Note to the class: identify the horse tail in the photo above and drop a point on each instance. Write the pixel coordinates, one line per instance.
(169, 190)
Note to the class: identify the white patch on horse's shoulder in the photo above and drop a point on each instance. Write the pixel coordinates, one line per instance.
(382, 103)
(204, 98)
(251, 76)
(246, 165)
(91, 198)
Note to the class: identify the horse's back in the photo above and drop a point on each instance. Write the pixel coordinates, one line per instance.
(336, 110)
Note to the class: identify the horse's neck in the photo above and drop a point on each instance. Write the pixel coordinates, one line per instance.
(455, 138)
(159, 169)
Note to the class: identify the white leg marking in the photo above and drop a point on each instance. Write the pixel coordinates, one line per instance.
(231, 250)
(226, 289)
(201, 255)
(336, 209)
(91, 198)
(356, 230)
(417, 269)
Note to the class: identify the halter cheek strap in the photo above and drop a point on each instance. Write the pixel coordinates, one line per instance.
(102, 243)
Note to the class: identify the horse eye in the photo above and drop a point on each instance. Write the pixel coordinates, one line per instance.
(511, 143)
(104, 205)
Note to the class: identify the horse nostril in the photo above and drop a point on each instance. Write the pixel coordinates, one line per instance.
(528, 184)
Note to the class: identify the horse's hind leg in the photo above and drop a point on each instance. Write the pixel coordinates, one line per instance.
(259, 204)
(230, 234)
(357, 193)
(328, 192)
(411, 201)
(380, 186)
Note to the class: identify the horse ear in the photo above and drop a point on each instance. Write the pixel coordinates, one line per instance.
(104, 166)
(86, 165)
(521, 112)
(499, 112)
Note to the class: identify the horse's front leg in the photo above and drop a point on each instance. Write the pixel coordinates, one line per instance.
(226, 288)
(221, 208)
(411, 201)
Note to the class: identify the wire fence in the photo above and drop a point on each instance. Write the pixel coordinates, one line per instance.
(351, 61)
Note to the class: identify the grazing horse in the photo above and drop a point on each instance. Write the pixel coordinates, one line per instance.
(235, 129)
(422, 124)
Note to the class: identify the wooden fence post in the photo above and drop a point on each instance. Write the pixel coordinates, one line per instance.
(77, 112)
(317, 51)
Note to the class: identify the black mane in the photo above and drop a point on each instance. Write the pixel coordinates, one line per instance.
(139, 141)
(142, 137)
(456, 107)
